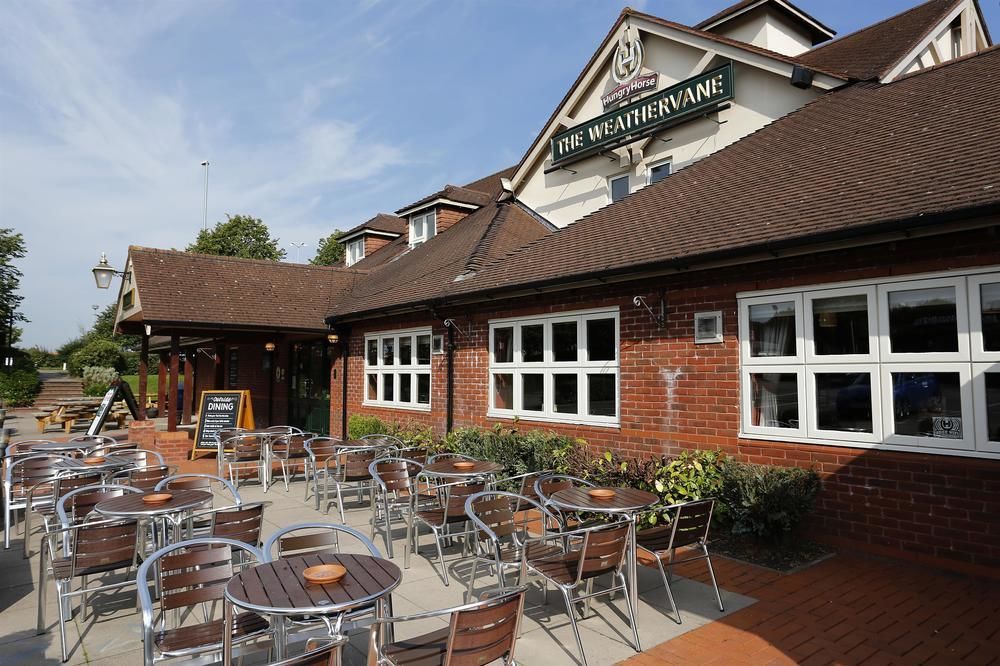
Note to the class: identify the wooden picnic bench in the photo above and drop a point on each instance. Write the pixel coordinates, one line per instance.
(67, 413)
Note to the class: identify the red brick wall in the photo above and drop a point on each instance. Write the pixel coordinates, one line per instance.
(448, 215)
(375, 243)
(252, 375)
(678, 395)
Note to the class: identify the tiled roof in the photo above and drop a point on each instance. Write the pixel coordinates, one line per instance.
(870, 53)
(452, 193)
(743, 4)
(184, 288)
(430, 270)
(862, 158)
(381, 222)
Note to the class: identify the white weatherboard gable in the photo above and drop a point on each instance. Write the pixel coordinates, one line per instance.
(940, 45)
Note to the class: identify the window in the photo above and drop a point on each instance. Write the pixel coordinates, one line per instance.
(398, 369)
(561, 368)
(906, 363)
(422, 227)
(618, 187)
(355, 251)
(658, 172)
(707, 327)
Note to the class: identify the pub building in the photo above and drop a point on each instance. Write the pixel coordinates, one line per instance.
(748, 235)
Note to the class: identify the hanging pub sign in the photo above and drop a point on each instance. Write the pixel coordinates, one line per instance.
(635, 120)
(221, 410)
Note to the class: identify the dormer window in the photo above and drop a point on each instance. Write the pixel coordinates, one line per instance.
(422, 227)
(355, 251)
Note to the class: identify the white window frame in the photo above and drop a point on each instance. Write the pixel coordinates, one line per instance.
(612, 179)
(971, 363)
(745, 305)
(355, 251)
(979, 354)
(548, 367)
(391, 372)
(649, 169)
(428, 225)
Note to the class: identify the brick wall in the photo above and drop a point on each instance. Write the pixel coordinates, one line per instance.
(252, 375)
(375, 243)
(449, 215)
(678, 395)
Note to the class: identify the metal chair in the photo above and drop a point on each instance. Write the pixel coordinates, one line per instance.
(89, 549)
(288, 450)
(61, 485)
(190, 576)
(550, 484)
(196, 481)
(688, 527)
(328, 654)
(25, 446)
(318, 449)
(350, 466)
(240, 523)
(136, 456)
(477, 633)
(397, 492)
(503, 523)
(391, 440)
(112, 449)
(24, 478)
(600, 550)
(143, 478)
(241, 452)
(441, 516)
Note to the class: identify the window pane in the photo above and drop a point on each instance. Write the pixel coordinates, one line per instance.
(927, 404)
(619, 188)
(601, 395)
(923, 320)
(992, 406)
(387, 387)
(772, 329)
(372, 387)
(989, 297)
(775, 400)
(424, 389)
(405, 387)
(601, 340)
(840, 324)
(564, 341)
(659, 172)
(406, 350)
(844, 401)
(387, 347)
(532, 340)
(503, 344)
(565, 394)
(503, 391)
(532, 392)
(372, 358)
(423, 350)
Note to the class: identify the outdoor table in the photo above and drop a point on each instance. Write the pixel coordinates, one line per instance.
(628, 502)
(279, 590)
(446, 468)
(132, 506)
(110, 464)
(61, 447)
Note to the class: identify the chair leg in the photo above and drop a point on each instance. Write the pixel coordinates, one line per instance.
(666, 586)
(388, 528)
(711, 574)
(43, 583)
(27, 531)
(284, 474)
(631, 612)
(572, 620)
(62, 619)
(83, 599)
(6, 524)
(444, 567)
(472, 579)
(340, 504)
(586, 602)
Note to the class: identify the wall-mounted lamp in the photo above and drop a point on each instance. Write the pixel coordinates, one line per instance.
(269, 346)
(104, 273)
(332, 338)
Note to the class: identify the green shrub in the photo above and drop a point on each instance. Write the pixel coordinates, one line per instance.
(412, 434)
(519, 452)
(767, 502)
(97, 381)
(19, 386)
(43, 358)
(131, 363)
(100, 353)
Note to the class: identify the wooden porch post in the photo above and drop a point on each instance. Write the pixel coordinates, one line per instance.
(220, 359)
(161, 388)
(143, 374)
(189, 387)
(175, 354)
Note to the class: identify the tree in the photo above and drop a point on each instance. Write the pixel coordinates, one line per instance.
(239, 236)
(11, 248)
(329, 252)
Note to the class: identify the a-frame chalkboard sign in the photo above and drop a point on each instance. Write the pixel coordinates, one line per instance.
(221, 410)
(118, 391)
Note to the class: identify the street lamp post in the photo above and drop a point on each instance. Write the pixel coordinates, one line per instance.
(297, 246)
(205, 164)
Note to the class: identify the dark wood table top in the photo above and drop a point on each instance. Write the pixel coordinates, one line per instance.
(625, 500)
(57, 447)
(131, 505)
(110, 462)
(447, 468)
(279, 588)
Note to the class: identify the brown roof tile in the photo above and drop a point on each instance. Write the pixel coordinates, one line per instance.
(863, 156)
(870, 53)
(743, 4)
(453, 193)
(197, 289)
(381, 222)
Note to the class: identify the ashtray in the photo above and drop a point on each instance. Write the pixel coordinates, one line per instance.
(324, 573)
(157, 498)
(94, 460)
(464, 464)
(601, 493)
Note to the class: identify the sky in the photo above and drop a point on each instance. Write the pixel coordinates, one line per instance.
(314, 116)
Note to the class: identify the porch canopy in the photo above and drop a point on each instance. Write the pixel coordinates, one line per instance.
(198, 304)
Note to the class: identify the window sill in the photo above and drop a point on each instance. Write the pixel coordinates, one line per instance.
(542, 418)
(405, 408)
(851, 444)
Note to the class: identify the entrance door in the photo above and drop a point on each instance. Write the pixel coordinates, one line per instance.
(309, 387)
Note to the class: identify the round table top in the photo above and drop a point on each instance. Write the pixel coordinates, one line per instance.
(447, 468)
(279, 588)
(110, 462)
(131, 505)
(625, 500)
(58, 447)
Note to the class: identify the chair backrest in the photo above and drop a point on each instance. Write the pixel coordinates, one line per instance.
(483, 632)
(69, 482)
(241, 523)
(245, 447)
(103, 544)
(306, 538)
(549, 484)
(352, 463)
(291, 446)
(691, 523)
(603, 550)
(113, 449)
(226, 434)
(390, 440)
(282, 429)
(25, 446)
(503, 517)
(75, 505)
(321, 448)
(94, 440)
(198, 481)
(145, 478)
(395, 474)
(455, 495)
(25, 473)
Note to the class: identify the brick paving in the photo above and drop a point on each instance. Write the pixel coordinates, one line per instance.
(849, 609)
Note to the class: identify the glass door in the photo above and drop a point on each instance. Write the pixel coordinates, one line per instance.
(309, 387)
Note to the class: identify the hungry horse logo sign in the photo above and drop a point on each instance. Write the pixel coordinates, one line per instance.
(626, 64)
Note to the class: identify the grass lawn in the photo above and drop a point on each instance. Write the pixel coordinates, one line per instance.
(152, 382)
